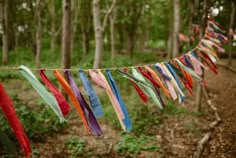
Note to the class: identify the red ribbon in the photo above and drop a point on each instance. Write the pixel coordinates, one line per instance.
(64, 106)
(8, 109)
(142, 95)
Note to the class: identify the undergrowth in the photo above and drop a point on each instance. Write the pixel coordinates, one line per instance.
(131, 145)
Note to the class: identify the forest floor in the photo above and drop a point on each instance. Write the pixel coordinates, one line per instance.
(176, 135)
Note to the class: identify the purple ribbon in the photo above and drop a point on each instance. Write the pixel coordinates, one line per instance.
(91, 119)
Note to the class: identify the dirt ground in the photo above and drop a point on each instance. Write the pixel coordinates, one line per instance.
(176, 136)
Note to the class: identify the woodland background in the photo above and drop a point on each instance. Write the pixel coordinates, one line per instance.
(114, 33)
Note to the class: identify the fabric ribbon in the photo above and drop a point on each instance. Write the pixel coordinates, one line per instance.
(174, 83)
(116, 92)
(147, 86)
(140, 92)
(8, 109)
(91, 119)
(64, 106)
(93, 98)
(100, 80)
(47, 97)
(167, 79)
(73, 98)
(154, 75)
(154, 83)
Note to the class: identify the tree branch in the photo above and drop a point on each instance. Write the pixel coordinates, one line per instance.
(104, 24)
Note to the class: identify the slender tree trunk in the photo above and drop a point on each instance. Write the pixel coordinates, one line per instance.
(190, 23)
(75, 15)
(199, 86)
(98, 34)
(85, 42)
(170, 39)
(66, 24)
(53, 25)
(38, 32)
(231, 24)
(176, 28)
(112, 34)
(5, 36)
(99, 31)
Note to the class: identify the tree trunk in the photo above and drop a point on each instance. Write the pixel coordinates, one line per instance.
(176, 28)
(112, 34)
(5, 36)
(230, 34)
(98, 34)
(53, 25)
(170, 39)
(75, 14)
(99, 31)
(38, 33)
(131, 44)
(199, 86)
(85, 38)
(66, 24)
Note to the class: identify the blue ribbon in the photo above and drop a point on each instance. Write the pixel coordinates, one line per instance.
(115, 90)
(172, 71)
(93, 98)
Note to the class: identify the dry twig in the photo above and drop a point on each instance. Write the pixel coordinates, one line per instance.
(212, 125)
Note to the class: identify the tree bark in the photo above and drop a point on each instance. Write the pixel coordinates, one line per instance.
(85, 17)
(38, 32)
(98, 34)
(53, 25)
(176, 28)
(99, 30)
(112, 34)
(170, 39)
(5, 36)
(231, 24)
(199, 86)
(66, 24)
(75, 14)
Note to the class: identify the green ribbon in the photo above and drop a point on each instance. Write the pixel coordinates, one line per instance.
(47, 97)
(188, 70)
(147, 87)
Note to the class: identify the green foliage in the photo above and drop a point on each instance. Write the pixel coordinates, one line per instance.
(174, 109)
(177, 110)
(37, 120)
(77, 147)
(131, 145)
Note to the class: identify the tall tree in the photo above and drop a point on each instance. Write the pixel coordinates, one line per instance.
(38, 32)
(74, 17)
(99, 29)
(176, 20)
(202, 21)
(5, 36)
(66, 28)
(231, 24)
(112, 33)
(53, 25)
(85, 17)
(170, 31)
